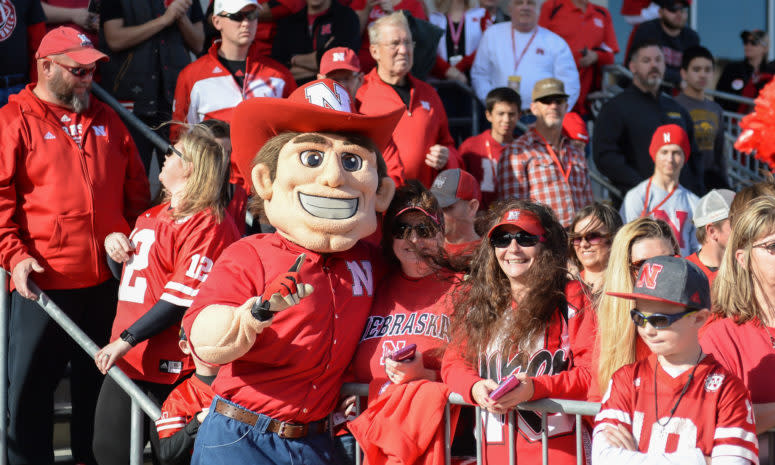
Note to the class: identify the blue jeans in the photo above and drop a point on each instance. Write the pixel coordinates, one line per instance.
(223, 440)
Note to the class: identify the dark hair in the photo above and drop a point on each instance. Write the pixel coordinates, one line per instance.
(640, 45)
(502, 94)
(605, 214)
(482, 302)
(697, 51)
(411, 194)
(219, 128)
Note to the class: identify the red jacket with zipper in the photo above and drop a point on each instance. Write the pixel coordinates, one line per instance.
(58, 201)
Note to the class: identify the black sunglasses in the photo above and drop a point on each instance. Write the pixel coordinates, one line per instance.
(677, 8)
(751, 42)
(657, 320)
(241, 16)
(77, 71)
(593, 238)
(173, 151)
(552, 100)
(502, 239)
(424, 230)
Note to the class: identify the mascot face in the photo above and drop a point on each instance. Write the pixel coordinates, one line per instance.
(324, 195)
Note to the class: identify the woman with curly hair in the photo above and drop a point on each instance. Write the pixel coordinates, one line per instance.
(617, 342)
(742, 339)
(519, 314)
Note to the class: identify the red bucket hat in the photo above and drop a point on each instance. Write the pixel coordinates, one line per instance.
(319, 106)
(67, 41)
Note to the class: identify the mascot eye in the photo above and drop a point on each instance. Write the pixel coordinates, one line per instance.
(311, 158)
(351, 162)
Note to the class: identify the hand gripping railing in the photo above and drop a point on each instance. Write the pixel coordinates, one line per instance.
(545, 406)
(140, 402)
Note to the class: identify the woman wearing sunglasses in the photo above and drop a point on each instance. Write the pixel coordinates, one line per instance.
(617, 342)
(165, 260)
(592, 230)
(518, 314)
(743, 338)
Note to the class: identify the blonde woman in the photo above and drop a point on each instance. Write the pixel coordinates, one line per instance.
(463, 26)
(165, 260)
(743, 337)
(617, 341)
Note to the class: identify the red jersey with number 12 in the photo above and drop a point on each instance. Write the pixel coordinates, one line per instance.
(172, 259)
(715, 415)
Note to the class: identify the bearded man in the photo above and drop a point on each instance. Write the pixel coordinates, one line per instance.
(69, 175)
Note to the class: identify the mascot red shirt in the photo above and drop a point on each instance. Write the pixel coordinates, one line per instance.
(317, 169)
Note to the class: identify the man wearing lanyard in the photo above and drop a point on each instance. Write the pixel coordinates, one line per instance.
(521, 53)
(542, 165)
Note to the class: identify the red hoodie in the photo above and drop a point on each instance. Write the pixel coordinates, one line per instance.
(58, 201)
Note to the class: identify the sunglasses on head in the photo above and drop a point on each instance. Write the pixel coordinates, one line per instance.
(593, 238)
(77, 71)
(424, 230)
(552, 100)
(657, 320)
(502, 239)
(241, 16)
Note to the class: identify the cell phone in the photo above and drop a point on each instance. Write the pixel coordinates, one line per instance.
(506, 386)
(404, 354)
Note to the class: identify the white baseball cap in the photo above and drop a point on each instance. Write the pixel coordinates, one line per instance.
(232, 6)
(713, 207)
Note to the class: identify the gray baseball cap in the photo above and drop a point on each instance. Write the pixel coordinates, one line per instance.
(714, 206)
(671, 280)
(453, 185)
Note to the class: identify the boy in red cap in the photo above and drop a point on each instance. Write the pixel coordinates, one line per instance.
(660, 196)
(282, 313)
(679, 405)
(458, 194)
(343, 66)
(575, 128)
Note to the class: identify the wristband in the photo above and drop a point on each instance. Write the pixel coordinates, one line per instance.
(126, 336)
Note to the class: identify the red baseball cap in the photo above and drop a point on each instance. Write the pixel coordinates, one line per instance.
(670, 134)
(523, 219)
(318, 106)
(67, 41)
(453, 185)
(575, 127)
(339, 58)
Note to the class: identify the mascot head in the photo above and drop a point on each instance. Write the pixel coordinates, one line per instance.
(315, 164)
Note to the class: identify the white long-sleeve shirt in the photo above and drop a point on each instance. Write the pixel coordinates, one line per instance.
(548, 55)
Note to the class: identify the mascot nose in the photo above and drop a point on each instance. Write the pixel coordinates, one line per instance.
(333, 173)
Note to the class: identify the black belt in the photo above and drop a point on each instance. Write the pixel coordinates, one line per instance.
(283, 429)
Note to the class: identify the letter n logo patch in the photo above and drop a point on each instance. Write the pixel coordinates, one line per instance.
(363, 279)
(648, 277)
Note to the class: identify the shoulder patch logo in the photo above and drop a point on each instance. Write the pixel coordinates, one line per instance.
(49, 136)
(217, 69)
(425, 105)
(713, 382)
(64, 119)
(100, 130)
(598, 22)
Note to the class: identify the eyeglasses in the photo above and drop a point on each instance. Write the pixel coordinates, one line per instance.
(173, 151)
(502, 239)
(241, 16)
(751, 42)
(424, 230)
(77, 71)
(593, 238)
(768, 246)
(393, 46)
(553, 100)
(657, 320)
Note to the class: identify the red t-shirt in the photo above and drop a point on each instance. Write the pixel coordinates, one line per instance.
(559, 367)
(480, 156)
(171, 261)
(715, 415)
(711, 274)
(405, 311)
(294, 371)
(71, 122)
(184, 403)
(463, 248)
(747, 351)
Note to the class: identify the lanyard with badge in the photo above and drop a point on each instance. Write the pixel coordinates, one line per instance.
(556, 160)
(646, 211)
(515, 80)
(455, 36)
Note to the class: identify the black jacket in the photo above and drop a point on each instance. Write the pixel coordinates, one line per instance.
(740, 74)
(672, 47)
(622, 136)
(338, 27)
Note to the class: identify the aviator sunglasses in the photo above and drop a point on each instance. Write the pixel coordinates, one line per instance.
(502, 239)
(657, 320)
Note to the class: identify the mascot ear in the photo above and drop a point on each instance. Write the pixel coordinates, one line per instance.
(262, 181)
(384, 194)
